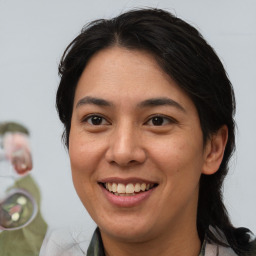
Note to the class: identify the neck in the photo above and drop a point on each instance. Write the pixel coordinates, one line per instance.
(181, 242)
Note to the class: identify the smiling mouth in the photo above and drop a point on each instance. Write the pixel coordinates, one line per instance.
(130, 189)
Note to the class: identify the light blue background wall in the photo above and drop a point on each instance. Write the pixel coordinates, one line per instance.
(33, 35)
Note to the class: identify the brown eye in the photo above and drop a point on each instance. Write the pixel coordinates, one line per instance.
(159, 120)
(96, 120)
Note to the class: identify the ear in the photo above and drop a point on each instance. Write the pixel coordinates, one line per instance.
(214, 151)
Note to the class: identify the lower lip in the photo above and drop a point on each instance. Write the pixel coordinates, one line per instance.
(127, 201)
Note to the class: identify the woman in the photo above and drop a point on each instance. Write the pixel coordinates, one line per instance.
(148, 114)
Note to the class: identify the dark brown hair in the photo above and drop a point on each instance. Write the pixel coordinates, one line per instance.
(187, 58)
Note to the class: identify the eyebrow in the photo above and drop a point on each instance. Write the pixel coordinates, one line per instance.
(161, 102)
(154, 102)
(94, 101)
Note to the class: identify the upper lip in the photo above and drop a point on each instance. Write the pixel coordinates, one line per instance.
(132, 180)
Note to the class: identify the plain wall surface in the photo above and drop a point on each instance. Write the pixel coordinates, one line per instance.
(33, 36)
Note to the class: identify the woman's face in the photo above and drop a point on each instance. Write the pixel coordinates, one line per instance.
(136, 147)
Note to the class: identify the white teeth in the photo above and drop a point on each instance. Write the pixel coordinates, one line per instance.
(121, 188)
(137, 187)
(114, 187)
(109, 186)
(129, 188)
(143, 186)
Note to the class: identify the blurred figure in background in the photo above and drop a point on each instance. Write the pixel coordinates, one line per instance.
(22, 228)
(15, 143)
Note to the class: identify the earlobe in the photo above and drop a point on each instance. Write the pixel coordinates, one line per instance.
(214, 151)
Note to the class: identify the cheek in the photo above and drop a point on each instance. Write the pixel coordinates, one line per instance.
(178, 156)
(169, 152)
(83, 152)
(83, 162)
(86, 154)
(80, 160)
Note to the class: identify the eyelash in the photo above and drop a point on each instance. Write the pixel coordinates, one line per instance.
(87, 118)
(165, 120)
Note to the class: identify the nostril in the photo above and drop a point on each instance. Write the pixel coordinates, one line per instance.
(123, 163)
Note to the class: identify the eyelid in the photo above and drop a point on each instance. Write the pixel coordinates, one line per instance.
(87, 117)
(171, 120)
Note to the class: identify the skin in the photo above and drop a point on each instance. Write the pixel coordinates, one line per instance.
(128, 144)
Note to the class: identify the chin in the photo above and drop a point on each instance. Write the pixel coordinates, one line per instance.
(128, 231)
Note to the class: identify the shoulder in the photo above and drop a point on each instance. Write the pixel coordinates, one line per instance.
(213, 250)
(248, 244)
(65, 242)
(253, 248)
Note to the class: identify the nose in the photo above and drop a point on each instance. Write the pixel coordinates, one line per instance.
(125, 147)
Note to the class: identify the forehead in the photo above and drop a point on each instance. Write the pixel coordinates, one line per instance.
(132, 75)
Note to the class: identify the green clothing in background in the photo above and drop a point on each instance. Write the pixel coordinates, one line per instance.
(26, 241)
